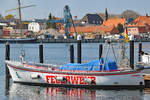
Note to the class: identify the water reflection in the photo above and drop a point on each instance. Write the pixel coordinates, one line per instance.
(146, 93)
(25, 92)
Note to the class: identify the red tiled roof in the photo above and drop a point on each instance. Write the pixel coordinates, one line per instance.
(140, 21)
(114, 22)
(91, 29)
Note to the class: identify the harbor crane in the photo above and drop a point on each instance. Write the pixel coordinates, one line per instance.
(20, 16)
(67, 20)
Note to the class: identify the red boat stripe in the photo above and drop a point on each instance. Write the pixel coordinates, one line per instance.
(77, 73)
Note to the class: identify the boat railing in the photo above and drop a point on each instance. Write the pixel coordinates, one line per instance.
(43, 65)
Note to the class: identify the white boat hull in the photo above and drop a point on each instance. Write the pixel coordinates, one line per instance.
(94, 79)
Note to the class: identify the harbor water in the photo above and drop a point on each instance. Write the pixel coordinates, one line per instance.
(58, 53)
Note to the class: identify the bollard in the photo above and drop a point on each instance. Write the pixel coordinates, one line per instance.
(100, 51)
(79, 51)
(7, 76)
(41, 53)
(140, 50)
(71, 54)
(132, 54)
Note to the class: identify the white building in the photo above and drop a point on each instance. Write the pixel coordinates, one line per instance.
(36, 27)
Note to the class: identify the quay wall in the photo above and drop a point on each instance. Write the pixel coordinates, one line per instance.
(85, 40)
(68, 41)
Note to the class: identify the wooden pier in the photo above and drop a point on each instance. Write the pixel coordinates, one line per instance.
(147, 80)
(146, 77)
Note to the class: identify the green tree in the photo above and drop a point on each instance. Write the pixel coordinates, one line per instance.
(120, 28)
(51, 25)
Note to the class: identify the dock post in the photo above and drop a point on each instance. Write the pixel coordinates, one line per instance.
(140, 50)
(132, 54)
(71, 54)
(100, 51)
(41, 52)
(7, 76)
(79, 51)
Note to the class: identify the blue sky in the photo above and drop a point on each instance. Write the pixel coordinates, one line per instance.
(78, 7)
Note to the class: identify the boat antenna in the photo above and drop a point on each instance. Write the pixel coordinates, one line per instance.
(22, 56)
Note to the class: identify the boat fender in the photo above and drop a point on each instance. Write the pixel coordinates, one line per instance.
(35, 76)
(60, 78)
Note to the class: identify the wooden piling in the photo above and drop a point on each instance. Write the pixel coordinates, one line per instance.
(71, 54)
(132, 54)
(140, 50)
(41, 53)
(79, 51)
(7, 76)
(100, 51)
